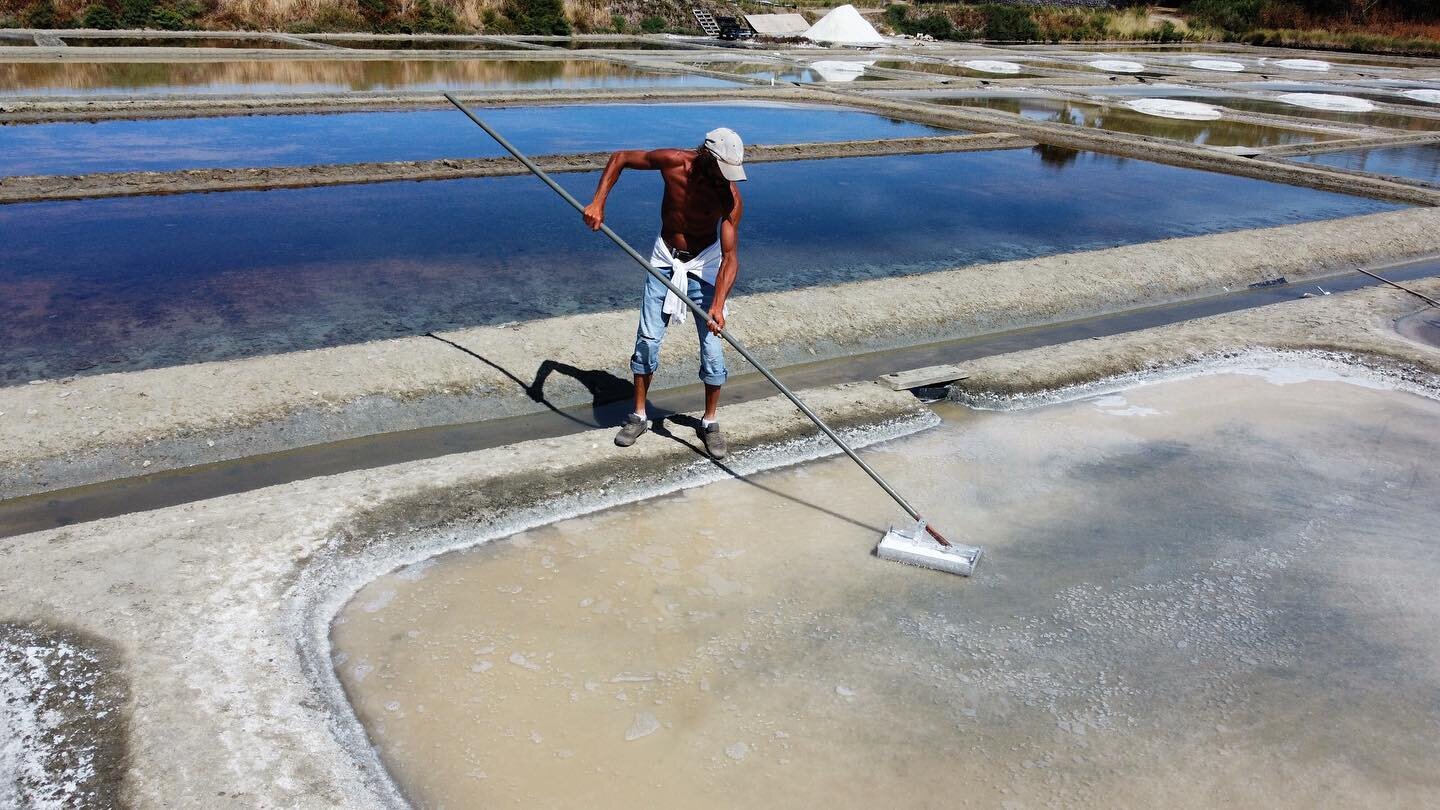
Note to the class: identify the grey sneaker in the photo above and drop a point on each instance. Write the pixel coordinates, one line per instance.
(714, 440)
(635, 425)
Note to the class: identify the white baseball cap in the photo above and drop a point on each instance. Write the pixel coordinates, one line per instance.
(728, 150)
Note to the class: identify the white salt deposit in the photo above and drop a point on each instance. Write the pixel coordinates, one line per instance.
(1175, 108)
(1326, 101)
(1427, 96)
(644, 725)
(1301, 64)
(991, 66)
(835, 70)
(844, 26)
(1117, 405)
(1218, 64)
(1116, 66)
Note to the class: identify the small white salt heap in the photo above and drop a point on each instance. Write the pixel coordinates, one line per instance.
(1427, 96)
(1116, 66)
(1301, 64)
(991, 66)
(1326, 101)
(1218, 64)
(1174, 108)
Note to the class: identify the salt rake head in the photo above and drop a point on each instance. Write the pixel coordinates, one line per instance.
(914, 545)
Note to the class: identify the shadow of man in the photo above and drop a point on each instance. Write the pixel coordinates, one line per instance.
(609, 395)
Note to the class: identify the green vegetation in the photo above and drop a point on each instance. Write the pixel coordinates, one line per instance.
(652, 24)
(1376, 26)
(1007, 23)
(536, 17)
(99, 16)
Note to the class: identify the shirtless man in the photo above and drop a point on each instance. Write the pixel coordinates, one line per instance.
(699, 235)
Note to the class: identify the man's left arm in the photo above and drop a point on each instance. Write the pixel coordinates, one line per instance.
(729, 261)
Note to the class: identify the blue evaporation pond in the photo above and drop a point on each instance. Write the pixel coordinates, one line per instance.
(121, 284)
(266, 76)
(1419, 162)
(293, 140)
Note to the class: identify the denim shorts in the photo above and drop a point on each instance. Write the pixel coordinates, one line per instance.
(652, 330)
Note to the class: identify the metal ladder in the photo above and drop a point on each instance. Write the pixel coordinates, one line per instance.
(707, 21)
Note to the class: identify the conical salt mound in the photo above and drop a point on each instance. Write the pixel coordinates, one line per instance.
(844, 26)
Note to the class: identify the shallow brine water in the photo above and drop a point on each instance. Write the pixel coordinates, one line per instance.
(1118, 119)
(1197, 593)
(123, 284)
(1420, 162)
(297, 140)
(326, 76)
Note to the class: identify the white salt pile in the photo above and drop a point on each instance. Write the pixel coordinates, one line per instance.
(1428, 96)
(1175, 108)
(1326, 101)
(1301, 64)
(844, 26)
(1116, 66)
(835, 70)
(1217, 64)
(991, 66)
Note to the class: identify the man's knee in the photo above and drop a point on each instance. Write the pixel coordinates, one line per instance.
(712, 364)
(646, 357)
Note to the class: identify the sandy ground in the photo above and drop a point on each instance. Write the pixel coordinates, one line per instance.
(127, 184)
(218, 611)
(73, 431)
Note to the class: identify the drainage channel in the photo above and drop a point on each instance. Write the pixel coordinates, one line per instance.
(173, 487)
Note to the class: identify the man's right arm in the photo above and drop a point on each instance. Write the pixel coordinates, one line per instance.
(620, 161)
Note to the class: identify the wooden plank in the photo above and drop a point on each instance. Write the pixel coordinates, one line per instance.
(920, 377)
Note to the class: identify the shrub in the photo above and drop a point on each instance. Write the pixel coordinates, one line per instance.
(135, 13)
(617, 22)
(1228, 15)
(1009, 23)
(653, 24)
(40, 15)
(435, 18)
(537, 17)
(98, 16)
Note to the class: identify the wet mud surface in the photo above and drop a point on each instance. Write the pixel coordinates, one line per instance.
(1197, 592)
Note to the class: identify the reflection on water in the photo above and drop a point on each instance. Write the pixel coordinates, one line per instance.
(831, 70)
(420, 44)
(177, 42)
(1207, 593)
(291, 140)
(317, 75)
(1420, 162)
(120, 284)
(1120, 119)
